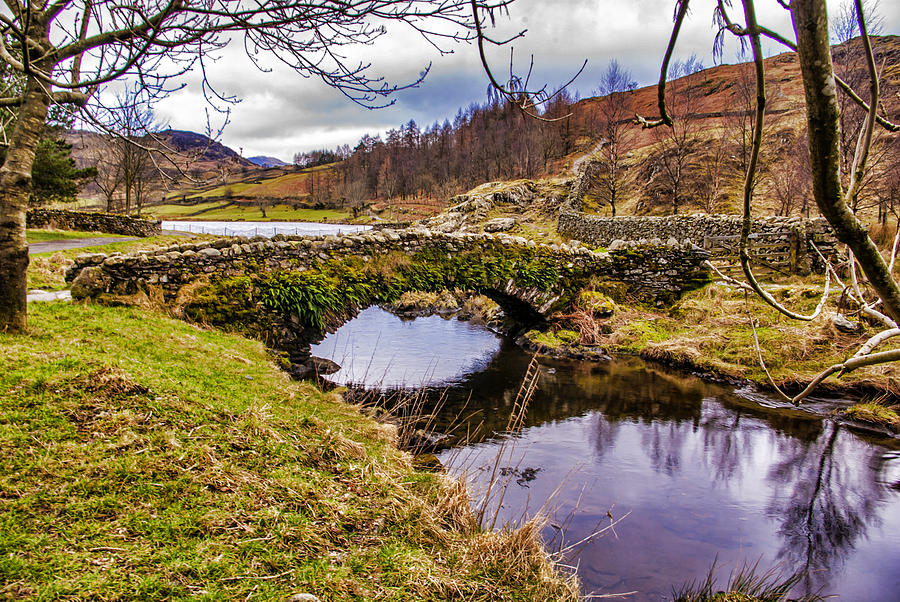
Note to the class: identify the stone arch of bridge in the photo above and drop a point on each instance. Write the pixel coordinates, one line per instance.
(520, 315)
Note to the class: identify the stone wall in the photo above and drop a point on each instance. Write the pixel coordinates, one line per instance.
(660, 271)
(64, 219)
(787, 235)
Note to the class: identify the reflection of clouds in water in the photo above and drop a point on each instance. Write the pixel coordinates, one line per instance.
(378, 349)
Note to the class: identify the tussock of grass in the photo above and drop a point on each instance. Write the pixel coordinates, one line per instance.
(145, 458)
(746, 584)
(48, 271)
(423, 300)
(873, 412)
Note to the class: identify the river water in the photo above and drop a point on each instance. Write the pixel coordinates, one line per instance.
(698, 473)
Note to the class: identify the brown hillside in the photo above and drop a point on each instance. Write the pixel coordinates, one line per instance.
(720, 95)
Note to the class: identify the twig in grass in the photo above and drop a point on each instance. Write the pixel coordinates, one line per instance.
(260, 578)
(759, 354)
(105, 549)
(266, 538)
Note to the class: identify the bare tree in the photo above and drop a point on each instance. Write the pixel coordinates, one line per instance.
(613, 181)
(136, 150)
(671, 171)
(67, 50)
(879, 297)
(790, 184)
(109, 171)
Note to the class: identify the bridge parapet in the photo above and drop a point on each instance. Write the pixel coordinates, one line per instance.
(652, 270)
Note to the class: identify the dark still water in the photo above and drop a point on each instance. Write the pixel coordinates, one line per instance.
(707, 473)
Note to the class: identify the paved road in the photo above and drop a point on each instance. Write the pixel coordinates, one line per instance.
(74, 243)
(39, 295)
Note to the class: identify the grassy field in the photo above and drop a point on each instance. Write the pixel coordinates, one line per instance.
(293, 184)
(248, 213)
(48, 235)
(47, 270)
(146, 458)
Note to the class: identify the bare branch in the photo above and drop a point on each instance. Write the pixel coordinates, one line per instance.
(864, 143)
(746, 223)
(526, 100)
(876, 340)
(850, 365)
(664, 117)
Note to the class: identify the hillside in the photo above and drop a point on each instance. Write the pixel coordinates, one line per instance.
(716, 102)
(413, 172)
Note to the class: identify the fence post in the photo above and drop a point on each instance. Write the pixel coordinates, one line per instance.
(793, 250)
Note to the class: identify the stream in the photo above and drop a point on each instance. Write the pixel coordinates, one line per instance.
(695, 473)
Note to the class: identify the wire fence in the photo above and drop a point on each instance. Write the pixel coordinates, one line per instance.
(267, 230)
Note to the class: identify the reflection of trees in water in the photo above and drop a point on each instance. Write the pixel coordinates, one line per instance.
(620, 390)
(833, 496)
(825, 482)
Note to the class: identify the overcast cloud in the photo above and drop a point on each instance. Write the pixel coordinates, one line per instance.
(281, 113)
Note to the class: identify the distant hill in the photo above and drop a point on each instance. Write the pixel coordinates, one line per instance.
(200, 147)
(188, 150)
(264, 161)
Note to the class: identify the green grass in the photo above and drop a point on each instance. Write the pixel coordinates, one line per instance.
(47, 270)
(709, 330)
(144, 458)
(163, 211)
(48, 235)
(873, 412)
(249, 213)
(271, 186)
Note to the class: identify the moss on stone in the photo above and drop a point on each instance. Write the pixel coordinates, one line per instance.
(597, 303)
(552, 341)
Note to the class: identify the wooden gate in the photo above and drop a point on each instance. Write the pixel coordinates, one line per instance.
(770, 250)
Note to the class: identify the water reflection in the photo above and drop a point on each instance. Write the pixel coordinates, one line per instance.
(835, 496)
(706, 473)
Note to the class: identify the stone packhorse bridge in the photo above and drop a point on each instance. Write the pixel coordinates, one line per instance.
(291, 290)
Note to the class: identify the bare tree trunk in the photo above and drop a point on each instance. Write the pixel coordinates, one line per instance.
(811, 26)
(15, 189)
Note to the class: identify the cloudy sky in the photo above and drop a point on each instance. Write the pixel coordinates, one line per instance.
(281, 113)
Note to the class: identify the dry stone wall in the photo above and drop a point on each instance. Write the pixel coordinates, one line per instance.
(111, 223)
(789, 236)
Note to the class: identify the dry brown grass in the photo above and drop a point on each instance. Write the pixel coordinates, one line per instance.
(709, 330)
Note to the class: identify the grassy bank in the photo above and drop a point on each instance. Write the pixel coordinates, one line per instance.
(32, 236)
(709, 330)
(145, 458)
